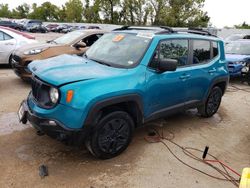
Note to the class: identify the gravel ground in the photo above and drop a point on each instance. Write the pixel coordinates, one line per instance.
(141, 165)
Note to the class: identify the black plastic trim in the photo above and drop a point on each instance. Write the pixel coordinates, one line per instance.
(224, 79)
(95, 109)
(166, 112)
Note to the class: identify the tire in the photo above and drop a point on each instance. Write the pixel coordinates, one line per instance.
(212, 103)
(10, 63)
(111, 135)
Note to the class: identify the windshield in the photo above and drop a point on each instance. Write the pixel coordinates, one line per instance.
(69, 37)
(241, 48)
(119, 49)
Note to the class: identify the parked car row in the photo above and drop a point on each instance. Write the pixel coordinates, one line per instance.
(65, 28)
(75, 42)
(238, 55)
(37, 26)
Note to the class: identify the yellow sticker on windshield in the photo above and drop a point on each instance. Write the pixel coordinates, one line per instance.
(118, 38)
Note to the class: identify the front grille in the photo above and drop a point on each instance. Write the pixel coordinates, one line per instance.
(40, 93)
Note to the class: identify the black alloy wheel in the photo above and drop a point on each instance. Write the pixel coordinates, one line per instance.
(112, 135)
(212, 104)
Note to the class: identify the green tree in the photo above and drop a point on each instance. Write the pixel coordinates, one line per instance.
(4, 11)
(180, 13)
(21, 11)
(135, 12)
(108, 10)
(47, 12)
(62, 14)
(74, 10)
(244, 25)
(91, 13)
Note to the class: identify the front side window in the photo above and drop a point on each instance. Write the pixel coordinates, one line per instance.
(174, 49)
(171, 49)
(4, 36)
(91, 39)
(1, 36)
(201, 51)
(119, 49)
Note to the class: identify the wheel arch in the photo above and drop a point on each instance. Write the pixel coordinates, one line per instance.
(131, 103)
(221, 82)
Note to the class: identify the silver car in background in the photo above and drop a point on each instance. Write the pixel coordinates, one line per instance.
(9, 42)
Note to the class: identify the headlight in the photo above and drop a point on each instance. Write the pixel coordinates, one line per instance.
(54, 95)
(33, 52)
(245, 70)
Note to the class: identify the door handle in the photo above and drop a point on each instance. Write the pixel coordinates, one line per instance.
(185, 76)
(212, 70)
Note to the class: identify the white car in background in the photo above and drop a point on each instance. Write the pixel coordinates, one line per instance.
(9, 42)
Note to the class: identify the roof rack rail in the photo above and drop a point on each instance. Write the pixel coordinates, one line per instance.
(121, 28)
(198, 31)
(161, 29)
(167, 30)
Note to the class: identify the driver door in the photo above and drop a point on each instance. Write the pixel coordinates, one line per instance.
(166, 92)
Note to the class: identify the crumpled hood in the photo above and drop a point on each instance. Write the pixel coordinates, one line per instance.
(70, 68)
(235, 57)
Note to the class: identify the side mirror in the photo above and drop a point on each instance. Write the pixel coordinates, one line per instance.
(80, 45)
(167, 65)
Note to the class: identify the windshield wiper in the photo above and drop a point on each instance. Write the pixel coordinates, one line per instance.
(101, 62)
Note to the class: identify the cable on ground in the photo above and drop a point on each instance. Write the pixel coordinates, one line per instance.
(155, 137)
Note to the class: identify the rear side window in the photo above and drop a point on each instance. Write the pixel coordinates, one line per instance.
(175, 49)
(201, 51)
(215, 49)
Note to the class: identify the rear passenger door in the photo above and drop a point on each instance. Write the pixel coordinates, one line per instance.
(204, 57)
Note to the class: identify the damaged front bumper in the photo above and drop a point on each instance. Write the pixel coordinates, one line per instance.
(50, 127)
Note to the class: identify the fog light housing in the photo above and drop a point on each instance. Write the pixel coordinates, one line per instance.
(52, 123)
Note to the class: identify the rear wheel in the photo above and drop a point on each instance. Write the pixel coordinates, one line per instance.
(111, 135)
(212, 104)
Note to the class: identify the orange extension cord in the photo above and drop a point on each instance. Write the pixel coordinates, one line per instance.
(156, 137)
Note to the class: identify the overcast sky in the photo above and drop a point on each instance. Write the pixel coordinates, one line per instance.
(222, 12)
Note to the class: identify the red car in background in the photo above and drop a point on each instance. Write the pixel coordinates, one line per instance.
(26, 35)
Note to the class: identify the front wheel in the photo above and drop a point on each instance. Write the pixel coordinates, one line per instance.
(212, 104)
(111, 135)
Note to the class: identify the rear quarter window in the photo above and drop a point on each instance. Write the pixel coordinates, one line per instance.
(215, 49)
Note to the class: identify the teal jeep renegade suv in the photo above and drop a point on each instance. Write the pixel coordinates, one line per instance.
(128, 77)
